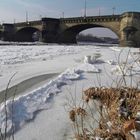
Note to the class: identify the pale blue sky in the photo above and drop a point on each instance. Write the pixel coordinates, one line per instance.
(16, 9)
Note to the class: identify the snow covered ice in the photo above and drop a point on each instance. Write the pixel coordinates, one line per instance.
(24, 107)
(31, 61)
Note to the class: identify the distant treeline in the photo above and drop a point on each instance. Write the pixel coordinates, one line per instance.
(91, 38)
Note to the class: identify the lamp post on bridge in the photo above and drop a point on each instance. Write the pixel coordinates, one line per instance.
(40, 17)
(85, 10)
(14, 20)
(99, 12)
(114, 8)
(62, 14)
(26, 16)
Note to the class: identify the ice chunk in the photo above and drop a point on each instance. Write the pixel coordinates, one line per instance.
(87, 68)
(87, 59)
(70, 74)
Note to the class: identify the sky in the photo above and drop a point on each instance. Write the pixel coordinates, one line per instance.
(16, 10)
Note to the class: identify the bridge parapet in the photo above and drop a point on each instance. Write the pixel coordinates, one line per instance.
(30, 23)
(91, 19)
(131, 14)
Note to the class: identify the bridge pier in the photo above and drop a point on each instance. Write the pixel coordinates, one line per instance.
(130, 29)
(8, 32)
(50, 29)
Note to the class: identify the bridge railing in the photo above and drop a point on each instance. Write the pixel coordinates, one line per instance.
(91, 19)
(29, 23)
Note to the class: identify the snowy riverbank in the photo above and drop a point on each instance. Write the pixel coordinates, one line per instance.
(32, 61)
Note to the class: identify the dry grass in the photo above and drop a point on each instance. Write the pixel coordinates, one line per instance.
(5, 135)
(118, 113)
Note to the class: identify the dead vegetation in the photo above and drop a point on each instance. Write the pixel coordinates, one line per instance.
(118, 111)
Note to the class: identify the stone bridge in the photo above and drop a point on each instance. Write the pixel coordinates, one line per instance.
(64, 30)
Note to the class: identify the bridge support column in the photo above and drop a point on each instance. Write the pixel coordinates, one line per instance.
(8, 32)
(130, 30)
(50, 30)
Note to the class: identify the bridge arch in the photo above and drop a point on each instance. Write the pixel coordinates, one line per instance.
(69, 34)
(27, 34)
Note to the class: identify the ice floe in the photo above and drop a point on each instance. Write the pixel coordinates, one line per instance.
(87, 68)
(24, 108)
